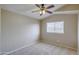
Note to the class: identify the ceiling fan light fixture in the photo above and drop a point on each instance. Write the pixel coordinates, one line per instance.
(43, 11)
(40, 12)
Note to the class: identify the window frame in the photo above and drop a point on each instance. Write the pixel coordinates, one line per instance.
(54, 27)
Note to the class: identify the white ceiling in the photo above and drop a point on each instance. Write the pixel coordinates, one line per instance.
(26, 9)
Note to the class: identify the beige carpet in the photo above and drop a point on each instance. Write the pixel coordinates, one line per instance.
(44, 49)
(0, 53)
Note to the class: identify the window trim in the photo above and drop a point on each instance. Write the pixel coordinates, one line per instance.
(54, 31)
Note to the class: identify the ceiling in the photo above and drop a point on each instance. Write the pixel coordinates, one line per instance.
(26, 9)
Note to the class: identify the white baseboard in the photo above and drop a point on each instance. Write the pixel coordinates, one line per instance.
(6, 53)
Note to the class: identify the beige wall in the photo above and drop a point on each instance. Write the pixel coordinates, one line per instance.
(78, 34)
(0, 30)
(69, 7)
(18, 31)
(0, 19)
(69, 38)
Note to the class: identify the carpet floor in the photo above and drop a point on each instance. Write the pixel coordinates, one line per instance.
(44, 49)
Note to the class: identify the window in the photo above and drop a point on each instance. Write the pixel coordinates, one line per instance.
(55, 27)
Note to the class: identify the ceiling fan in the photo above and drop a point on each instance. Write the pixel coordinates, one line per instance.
(42, 9)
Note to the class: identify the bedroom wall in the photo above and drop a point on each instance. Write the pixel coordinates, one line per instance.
(18, 31)
(78, 34)
(69, 38)
(0, 29)
(69, 7)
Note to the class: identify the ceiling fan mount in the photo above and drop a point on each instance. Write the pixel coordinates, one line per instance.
(43, 9)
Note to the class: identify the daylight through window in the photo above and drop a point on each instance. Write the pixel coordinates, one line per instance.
(55, 27)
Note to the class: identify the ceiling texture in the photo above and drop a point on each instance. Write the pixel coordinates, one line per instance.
(26, 9)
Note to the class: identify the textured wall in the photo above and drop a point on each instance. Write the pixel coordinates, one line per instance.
(69, 38)
(18, 31)
(0, 30)
(78, 34)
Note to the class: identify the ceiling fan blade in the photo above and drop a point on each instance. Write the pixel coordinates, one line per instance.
(35, 11)
(37, 5)
(48, 11)
(50, 6)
